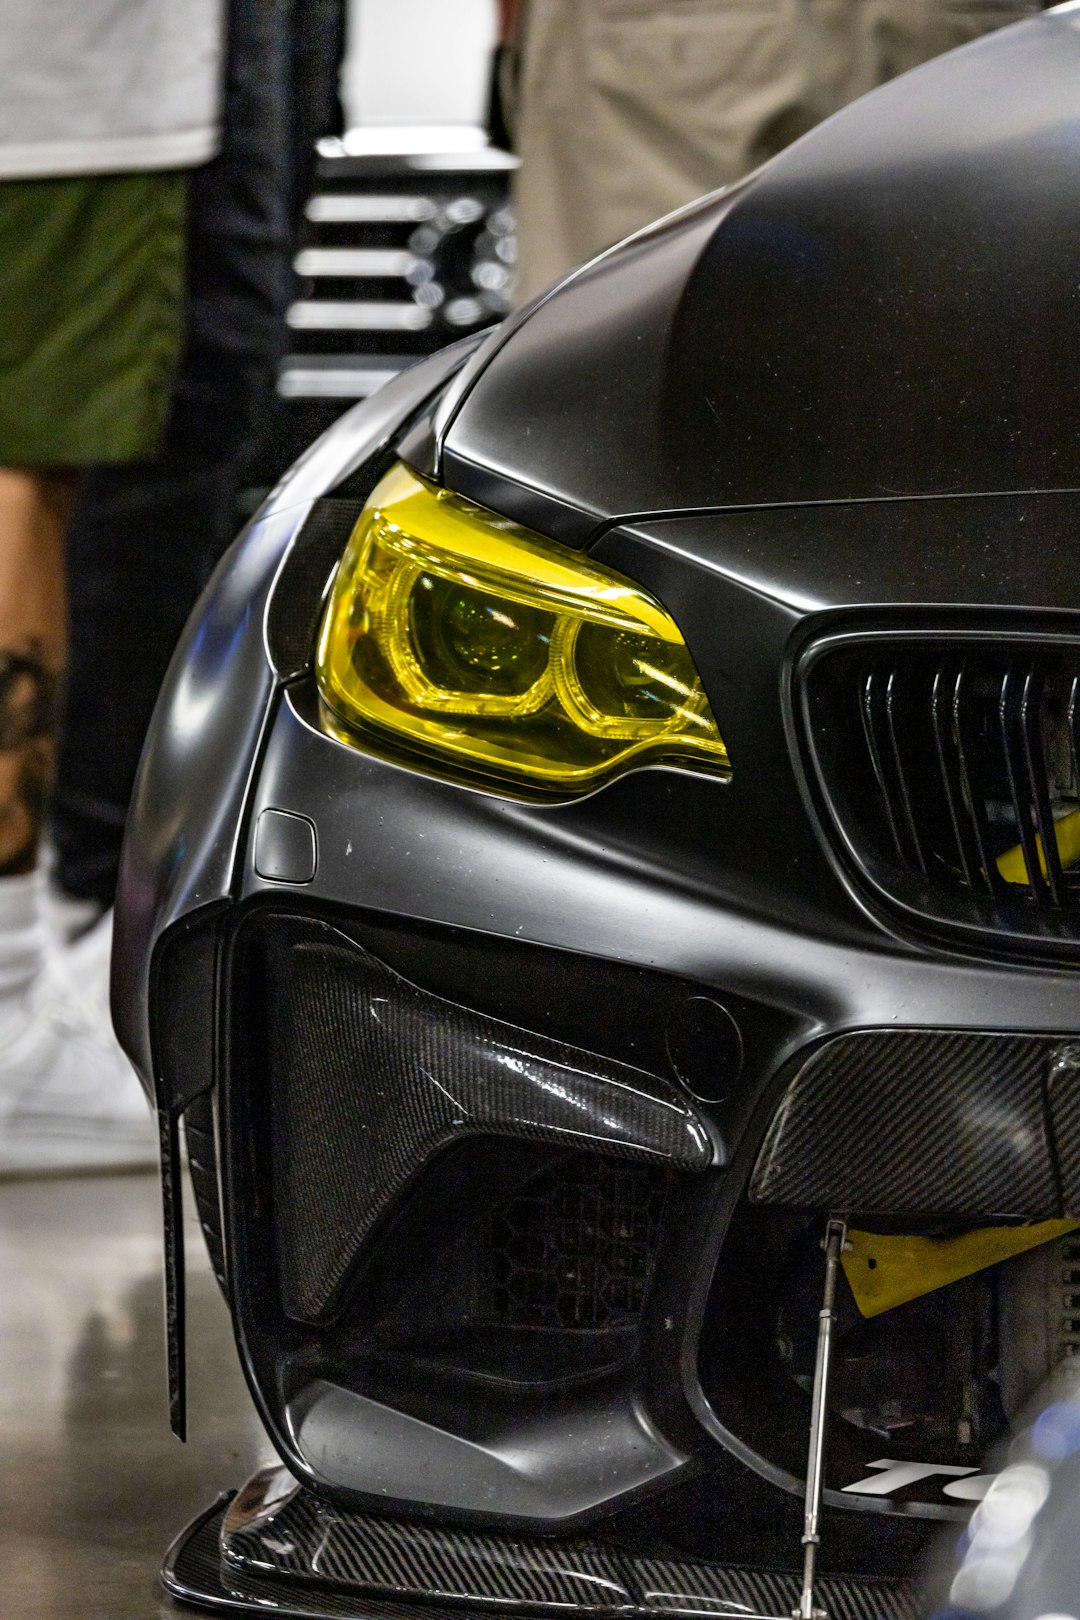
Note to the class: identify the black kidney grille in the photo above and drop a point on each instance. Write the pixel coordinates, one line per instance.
(951, 768)
(574, 1247)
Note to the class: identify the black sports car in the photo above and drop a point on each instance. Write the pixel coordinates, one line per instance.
(612, 826)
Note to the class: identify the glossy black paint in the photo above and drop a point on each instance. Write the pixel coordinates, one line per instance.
(887, 309)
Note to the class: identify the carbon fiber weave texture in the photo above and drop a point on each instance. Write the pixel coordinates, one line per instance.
(370, 1076)
(202, 1163)
(665, 1587)
(306, 1543)
(292, 620)
(902, 1120)
(1064, 1094)
(193, 1573)
(307, 1538)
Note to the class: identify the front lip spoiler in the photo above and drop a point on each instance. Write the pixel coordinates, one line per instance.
(437, 1569)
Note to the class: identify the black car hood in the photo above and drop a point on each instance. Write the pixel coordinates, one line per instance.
(888, 309)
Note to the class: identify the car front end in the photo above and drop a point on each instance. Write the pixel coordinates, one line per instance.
(613, 814)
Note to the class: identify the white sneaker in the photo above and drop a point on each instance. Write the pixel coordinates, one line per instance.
(85, 961)
(69, 1099)
(67, 918)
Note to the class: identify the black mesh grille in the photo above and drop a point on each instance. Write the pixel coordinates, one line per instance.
(950, 766)
(574, 1247)
(1069, 1324)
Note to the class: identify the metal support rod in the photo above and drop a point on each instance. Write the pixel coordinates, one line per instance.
(835, 1239)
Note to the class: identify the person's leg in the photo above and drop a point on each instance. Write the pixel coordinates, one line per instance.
(91, 283)
(142, 544)
(34, 511)
(145, 536)
(68, 1098)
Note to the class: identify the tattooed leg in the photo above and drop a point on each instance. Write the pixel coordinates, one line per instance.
(34, 509)
(27, 720)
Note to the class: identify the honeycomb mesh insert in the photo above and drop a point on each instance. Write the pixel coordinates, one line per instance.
(574, 1247)
(1069, 1329)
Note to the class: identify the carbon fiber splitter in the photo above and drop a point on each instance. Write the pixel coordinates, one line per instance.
(277, 1549)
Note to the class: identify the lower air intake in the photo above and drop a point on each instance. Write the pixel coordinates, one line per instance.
(370, 1080)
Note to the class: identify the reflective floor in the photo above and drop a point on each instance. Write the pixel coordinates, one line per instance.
(92, 1484)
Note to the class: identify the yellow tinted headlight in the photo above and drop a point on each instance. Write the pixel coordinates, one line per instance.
(489, 648)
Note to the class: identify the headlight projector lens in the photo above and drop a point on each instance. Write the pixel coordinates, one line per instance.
(489, 649)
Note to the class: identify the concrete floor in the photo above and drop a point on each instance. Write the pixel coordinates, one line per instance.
(93, 1486)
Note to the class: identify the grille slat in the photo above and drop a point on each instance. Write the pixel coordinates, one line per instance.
(950, 765)
(987, 869)
(869, 712)
(1012, 747)
(1073, 720)
(905, 796)
(1030, 720)
(941, 714)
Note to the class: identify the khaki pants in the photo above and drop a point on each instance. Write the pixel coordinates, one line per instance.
(626, 109)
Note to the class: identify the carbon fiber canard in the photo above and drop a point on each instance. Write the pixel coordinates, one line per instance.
(371, 1076)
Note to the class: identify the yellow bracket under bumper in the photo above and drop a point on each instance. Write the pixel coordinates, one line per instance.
(886, 1270)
